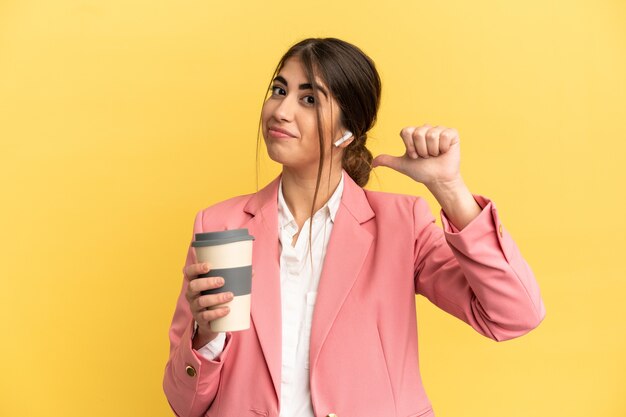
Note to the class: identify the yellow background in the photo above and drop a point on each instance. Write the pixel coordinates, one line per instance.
(119, 120)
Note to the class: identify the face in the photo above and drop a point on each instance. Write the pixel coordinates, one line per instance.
(292, 108)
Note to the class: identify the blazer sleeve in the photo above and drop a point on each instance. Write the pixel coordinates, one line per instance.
(477, 274)
(190, 392)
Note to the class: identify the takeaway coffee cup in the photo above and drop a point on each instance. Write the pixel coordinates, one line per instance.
(229, 253)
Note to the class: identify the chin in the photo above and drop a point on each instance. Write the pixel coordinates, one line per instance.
(287, 160)
(276, 155)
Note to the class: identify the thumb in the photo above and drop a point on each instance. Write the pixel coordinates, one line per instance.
(393, 162)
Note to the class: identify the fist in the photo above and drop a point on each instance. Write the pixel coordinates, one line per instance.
(432, 155)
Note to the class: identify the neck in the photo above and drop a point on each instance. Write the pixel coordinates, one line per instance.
(299, 190)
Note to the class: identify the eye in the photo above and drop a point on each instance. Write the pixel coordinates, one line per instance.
(277, 90)
(309, 100)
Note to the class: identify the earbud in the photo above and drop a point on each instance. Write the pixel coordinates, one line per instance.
(344, 138)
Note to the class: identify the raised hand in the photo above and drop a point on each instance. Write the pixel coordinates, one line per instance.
(432, 155)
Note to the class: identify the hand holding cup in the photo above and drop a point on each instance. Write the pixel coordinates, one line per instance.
(204, 307)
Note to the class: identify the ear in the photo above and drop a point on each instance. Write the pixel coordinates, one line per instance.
(344, 140)
(346, 143)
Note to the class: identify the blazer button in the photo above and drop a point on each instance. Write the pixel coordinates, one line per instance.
(190, 371)
(500, 230)
(331, 415)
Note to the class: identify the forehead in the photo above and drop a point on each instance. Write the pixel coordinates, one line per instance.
(293, 70)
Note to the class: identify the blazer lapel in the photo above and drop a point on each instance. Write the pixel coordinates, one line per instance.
(265, 306)
(347, 249)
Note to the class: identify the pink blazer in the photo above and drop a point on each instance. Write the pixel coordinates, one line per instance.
(384, 249)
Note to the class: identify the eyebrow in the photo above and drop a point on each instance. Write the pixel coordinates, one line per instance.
(305, 86)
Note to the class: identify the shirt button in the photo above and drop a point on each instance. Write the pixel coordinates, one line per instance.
(190, 371)
(331, 415)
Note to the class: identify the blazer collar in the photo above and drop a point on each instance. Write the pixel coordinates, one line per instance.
(353, 198)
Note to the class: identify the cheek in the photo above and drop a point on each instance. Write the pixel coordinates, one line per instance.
(313, 135)
(265, 113)
(312, 128)
(332, 129)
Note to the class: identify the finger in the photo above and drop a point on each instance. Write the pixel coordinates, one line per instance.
(419, 139)
(407, 137)
(193, 270)
(211, 300)
(196, 286)
(445, 139)
(393, 162)
(201, 284)
(207, 316)
(432, 140)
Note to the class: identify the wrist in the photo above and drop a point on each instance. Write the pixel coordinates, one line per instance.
(447, 189)
(456, 201)
(202, 337)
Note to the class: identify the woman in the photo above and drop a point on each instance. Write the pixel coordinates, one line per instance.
(341, 340)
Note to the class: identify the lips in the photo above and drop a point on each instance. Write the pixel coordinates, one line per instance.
(279, 130)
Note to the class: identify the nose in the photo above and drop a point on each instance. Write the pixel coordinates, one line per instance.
(285, 109)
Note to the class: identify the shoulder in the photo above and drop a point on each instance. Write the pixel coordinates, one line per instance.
(386, 202)
(228, 205)
(224, 214)
(396, 210)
